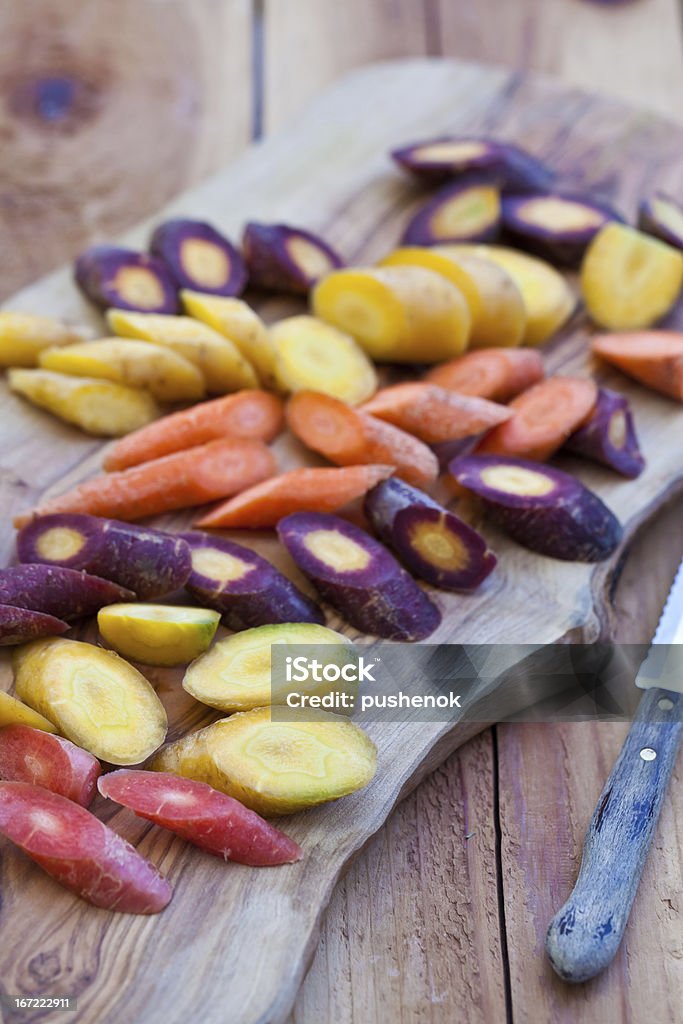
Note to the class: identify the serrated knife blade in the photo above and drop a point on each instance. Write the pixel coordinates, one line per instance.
(663, 666)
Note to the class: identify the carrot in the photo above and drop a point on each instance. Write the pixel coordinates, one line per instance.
(434, 414)
(300, 490)
(655, 358)
(193, 477)
(350, 437)
(248, 413)
(544, 417)
(498, 374)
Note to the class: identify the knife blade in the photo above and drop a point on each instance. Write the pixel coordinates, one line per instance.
(586, 932)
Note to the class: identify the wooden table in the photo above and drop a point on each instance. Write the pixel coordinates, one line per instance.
(442, 917)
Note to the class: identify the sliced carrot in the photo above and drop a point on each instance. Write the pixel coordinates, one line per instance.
(434, 414)
(498, 374)
(655, 358)
(350, 437)
(182, 480)
(249, 413)
(300, 490)
(544, 417)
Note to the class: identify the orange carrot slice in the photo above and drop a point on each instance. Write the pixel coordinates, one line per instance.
(193, 477)
(544, 417)
(498, 374)
(249, 413)
(434, 414)
(350, 437)
(655, 358)
(300, 490)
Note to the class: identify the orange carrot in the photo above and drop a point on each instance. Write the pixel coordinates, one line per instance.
(498, 374)
(434, 414)
(350, 437)
(248, 413)
(193, 477)
(544, 417)
(300, 490)
(655, 358)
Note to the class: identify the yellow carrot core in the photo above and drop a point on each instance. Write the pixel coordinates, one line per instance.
(59, 544)
(517, 480)
(439, 546)
(139, 287)
(219, 565)
(312, 260)
(465, 213)
(341, 553)
(204, 261)
(669, 215)
(449, 151)
(616, 432)
(284, 749)
(563, 214)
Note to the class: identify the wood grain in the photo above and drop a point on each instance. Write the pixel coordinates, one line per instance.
(632, 50)
(86, 87)
(132, 969)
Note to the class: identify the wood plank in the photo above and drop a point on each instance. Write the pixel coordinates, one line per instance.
(412, 930)
(550, 780)
(631, 50)
(310, 43)
(257, 963)
(87, 86)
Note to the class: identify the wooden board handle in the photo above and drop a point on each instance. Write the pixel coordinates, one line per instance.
(584, 935)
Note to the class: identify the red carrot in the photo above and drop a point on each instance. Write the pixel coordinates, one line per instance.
(498, 374)
(300, 490)
(245, 414)
(31, 755)
(193, 477)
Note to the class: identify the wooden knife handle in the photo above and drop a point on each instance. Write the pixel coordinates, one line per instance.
(584, 935)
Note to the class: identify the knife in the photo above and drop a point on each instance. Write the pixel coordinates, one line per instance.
(584, 935)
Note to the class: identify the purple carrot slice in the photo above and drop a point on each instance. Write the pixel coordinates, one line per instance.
(149, 562)
(199, 257)
(558, 227)
(446, 451)
(434, 544)
(662, 216)
(245, 588)
(465, 211)
(111, 276)
(64, 593)
(438, 160)
(19, 625)
(281, 258)
(541, 507)
(358, 576)
(609, 437)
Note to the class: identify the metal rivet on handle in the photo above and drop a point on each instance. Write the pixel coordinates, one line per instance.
(648, 754)
(665, 704)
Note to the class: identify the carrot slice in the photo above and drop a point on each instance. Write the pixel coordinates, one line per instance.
(655, 358)
(498, 374)
(544, 417)
(434, 414)
(350, 437)
(300, 490)
(193, 477)
(249, 413)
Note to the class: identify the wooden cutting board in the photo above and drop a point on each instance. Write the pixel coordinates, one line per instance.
(235, 942)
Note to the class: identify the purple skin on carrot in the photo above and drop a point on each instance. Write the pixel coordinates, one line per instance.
(434, 544)
(79, 851)
(662, 216)
(64, 593)
(198, 257)
(358, 576)
(541, 507)
(200, 814)
(19, 625)
(286, 259)
(245, 588)
(41, 759)
(446, 451)
(111, 276)
(441, 159)
(478, 199)
(609, 437)
(149, 562)
(531, 222)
